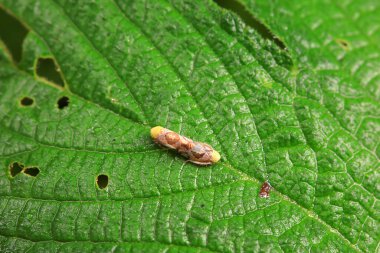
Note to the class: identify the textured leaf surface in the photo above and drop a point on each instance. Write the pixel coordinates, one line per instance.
(339, 41)
(198, 70)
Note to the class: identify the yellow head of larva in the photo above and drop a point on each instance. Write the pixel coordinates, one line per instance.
(215, 157)
(155, 131)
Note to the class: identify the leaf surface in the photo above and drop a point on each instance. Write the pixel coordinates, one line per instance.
(198, 70)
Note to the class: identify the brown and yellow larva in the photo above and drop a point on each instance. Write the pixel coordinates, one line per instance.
(197, 152)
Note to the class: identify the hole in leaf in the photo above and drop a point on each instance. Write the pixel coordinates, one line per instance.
(48, 69)
(12, 33)
(26, 101)
(63, 102)
(102, 181)
(343, 44)
(239, 9)
(15, 168)
(32, 171)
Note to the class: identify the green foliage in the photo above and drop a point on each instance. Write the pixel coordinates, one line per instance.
(307, 120)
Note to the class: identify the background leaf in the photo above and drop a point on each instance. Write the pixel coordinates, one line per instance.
(199, 70)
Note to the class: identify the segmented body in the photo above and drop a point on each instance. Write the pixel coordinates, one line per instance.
(197, 152)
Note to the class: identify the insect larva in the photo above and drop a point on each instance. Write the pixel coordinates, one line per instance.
(196, 152)
(265, 189)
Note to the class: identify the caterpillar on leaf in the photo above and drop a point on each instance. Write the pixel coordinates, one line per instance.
(196, 152)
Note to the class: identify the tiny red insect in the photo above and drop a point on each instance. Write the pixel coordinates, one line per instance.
(265, 189)
(197, 152)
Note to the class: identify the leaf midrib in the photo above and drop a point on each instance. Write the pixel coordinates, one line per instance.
(40, 143)
(344, 129)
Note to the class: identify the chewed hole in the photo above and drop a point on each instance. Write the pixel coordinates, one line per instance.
(15, 168)
(102, 181)
(26, 101)
(343, 44)
(31, 171)
(48, 69)
(238, 8)
(12, 33)
(63, 102)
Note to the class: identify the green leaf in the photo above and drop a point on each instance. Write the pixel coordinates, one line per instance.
(338, 41)
(199, 70)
